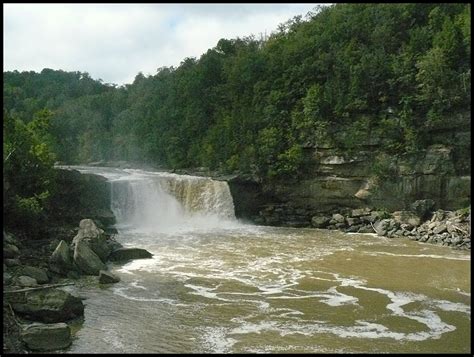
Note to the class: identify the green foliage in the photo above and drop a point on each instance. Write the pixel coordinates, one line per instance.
(28, 169)
(341, 76)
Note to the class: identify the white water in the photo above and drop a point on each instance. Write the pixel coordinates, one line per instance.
(216, 285)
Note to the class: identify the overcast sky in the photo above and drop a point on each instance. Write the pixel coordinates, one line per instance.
(114, 42)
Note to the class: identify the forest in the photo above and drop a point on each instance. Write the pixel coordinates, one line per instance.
(248, 105)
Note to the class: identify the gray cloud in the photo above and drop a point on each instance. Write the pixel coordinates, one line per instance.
(116, 41)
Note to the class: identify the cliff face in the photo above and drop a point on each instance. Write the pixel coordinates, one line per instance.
(81, 195)
(338, 180)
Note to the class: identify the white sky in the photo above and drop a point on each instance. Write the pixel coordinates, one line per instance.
(114, 42)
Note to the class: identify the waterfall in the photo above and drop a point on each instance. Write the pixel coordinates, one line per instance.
(164, 202)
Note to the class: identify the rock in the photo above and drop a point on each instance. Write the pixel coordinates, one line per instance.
(106, 217)
(38, 274)
(49, 305)
(129, 253)
(340, 225)
(440, 229)
(360, 212)
(7, 278)
(423, 207)
(87, 229)
(339, 218)
(87, 260)
(406, 217)
(352, 221)
(320, 222)
(106, 277)
(24, 280)
(113, 244)
(12, 262)
(61, 261)
(50, 337)
(366, 229)
(10, 251)
(382, 227)
(438, 216)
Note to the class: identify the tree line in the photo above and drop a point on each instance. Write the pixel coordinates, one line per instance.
(332, 78)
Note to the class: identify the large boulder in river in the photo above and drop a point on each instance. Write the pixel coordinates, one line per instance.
(86, 260)
(61, 261)
(47, 337)
(129, 253)
(48, 305)
(94, 237)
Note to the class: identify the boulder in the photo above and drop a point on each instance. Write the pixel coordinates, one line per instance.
(24, 280)
(47, 337)
(339, 218)
(12, 262)
(360, 212)
(320, 222)
(366, 229)
(352, 221)
(440, 228)
(87, 260)
(60, 261)
(423, 207)
(382, 227)
(10, 251)
(38, 274)
(7, 278)
(94, 237)
(406, 217)
(49, 305)
(87, 229)
(129, 253)
(106, 277)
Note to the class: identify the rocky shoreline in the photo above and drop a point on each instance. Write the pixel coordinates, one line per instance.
(37, 310)
(422, 223)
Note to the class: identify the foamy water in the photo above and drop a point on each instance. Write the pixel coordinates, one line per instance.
(221, 286)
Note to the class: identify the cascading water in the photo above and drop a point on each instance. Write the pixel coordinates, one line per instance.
(164, 202)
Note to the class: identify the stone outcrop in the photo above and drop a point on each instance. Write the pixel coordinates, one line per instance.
(47, 337)
(94, 237)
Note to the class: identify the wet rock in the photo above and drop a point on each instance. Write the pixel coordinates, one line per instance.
(129, 253)
(87, 260)
(320, 222)
(94, 237)
(49, 305)
(47, 337)
(60, 261)
(106, 277)
(38, 274)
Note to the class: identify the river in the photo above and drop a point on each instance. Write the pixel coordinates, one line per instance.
(218, 285)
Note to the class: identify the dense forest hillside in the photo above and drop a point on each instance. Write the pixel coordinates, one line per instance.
(334, 77)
